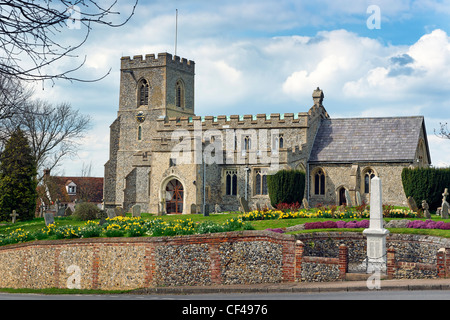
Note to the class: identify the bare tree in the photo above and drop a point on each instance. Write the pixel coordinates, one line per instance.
(443, 132)
(30, 34)
(53, 131)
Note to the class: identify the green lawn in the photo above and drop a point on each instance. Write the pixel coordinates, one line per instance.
(38, 223)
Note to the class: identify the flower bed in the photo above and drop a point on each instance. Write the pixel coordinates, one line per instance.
(330, 213)
(337, 224)
(126, 227)
(428, 224)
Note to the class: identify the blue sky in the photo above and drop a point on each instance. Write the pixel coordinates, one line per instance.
(261, 56)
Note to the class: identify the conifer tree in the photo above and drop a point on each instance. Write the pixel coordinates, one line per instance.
(17, 178)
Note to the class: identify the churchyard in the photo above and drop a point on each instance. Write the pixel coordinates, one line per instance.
(291, 220)
(118, 250)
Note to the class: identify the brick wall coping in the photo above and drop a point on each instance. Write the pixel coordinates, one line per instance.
(249, 235)
(444, 242)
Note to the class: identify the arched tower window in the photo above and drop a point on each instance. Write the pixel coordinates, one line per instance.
(143, 92)
(179, 94)
(139, 133)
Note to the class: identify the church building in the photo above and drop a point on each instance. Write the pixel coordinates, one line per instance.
(170, 161)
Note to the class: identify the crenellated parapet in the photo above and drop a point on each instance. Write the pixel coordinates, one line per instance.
(162, 60)
(259, 121)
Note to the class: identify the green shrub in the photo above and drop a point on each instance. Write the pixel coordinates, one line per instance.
(286, 186)
(86, 211)
(426, 184)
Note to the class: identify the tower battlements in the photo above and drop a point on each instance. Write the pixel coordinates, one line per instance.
(162, 60)
(274, 120)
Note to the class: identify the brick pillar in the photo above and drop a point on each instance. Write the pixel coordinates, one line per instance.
(343, 261)
(299, 249)
(95, 266)
(216, 267)
(390, 268)
(149, 265)
(441, 263)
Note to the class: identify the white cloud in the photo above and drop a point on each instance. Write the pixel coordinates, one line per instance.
(426, 72)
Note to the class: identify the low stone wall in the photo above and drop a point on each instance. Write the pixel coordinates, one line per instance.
(245, 257)
(129, 263)
(412, 256)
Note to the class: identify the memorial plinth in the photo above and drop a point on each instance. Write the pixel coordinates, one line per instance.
(376, 233)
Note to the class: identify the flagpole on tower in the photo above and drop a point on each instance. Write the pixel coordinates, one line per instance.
(176, 30)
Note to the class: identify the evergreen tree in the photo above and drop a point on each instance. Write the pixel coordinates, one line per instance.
(17, 178)
(286, 186)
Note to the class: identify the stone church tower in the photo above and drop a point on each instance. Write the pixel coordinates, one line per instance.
(150, 89)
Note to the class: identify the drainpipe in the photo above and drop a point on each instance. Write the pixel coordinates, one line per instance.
(246, 182)
(307, 181)
(205, 214)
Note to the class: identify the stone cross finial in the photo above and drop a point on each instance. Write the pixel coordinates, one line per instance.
(444, 195)
(14, 215)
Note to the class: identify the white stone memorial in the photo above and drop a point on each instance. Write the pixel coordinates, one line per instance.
(376, 233)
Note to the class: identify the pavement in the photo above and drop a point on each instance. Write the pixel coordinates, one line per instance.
(306, 287)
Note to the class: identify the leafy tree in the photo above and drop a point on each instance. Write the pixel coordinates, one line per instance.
(17, 178)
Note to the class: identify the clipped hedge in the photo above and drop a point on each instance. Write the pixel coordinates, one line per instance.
(286, 186)
(426, 184)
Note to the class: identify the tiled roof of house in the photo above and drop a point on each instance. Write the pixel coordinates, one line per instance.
(88, 189)
(367, 139)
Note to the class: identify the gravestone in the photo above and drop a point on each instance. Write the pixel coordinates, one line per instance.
(376, 233)
(119, 211)
(136, 210)
(14, 215)
(102, 216)
(348, 199)
(61, 211)
(412, 204)
(426, 208)
(358, 199)
(217, 208)
(444, 210)
(49, 218)
(258, 206)
(68, 212)
(305, 203)
(111, 213)
(41, 210)
(244, 205)
(193, 208)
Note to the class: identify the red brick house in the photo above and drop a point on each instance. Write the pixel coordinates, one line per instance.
(68, 190)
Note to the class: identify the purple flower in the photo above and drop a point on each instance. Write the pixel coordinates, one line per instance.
(329, 224)
(340, 224)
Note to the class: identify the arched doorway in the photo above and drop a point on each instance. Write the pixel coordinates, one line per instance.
(342, 199)
(174, 197)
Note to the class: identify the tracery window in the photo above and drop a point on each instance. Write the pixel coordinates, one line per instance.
(231, 182)
(369, 174)
(261, 181)
(319, 182)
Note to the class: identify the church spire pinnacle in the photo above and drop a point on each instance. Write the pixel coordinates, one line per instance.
(318, 96)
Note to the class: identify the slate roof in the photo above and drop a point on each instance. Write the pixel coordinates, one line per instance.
(368, 139)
